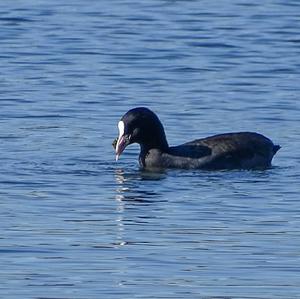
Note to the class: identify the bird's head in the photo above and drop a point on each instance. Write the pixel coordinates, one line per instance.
(140, 125)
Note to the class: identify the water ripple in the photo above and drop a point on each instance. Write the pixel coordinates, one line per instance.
(83, 226)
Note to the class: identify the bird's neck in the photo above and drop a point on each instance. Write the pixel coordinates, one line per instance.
(157, 142)
(149, 150)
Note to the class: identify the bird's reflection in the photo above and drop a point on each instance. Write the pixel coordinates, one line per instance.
(131, 196)
(129, 185)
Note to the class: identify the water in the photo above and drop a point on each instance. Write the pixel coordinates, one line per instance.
(75, 224)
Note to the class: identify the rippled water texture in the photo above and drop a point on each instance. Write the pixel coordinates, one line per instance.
(76, 224)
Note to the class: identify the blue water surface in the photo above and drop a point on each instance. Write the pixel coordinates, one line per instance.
(76, 224)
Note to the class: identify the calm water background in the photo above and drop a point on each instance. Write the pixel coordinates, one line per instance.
(75, 224)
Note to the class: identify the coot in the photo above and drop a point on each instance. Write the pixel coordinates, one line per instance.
(241, 150)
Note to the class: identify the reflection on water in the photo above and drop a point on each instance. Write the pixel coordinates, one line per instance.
(129, 185)
(130, 190)
(73, 223)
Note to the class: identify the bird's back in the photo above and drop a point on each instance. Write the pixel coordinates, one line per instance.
(242, 150)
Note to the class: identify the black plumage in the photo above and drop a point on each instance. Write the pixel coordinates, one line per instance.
(242, 150)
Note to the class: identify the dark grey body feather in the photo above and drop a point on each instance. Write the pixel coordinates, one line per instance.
(242, 150)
